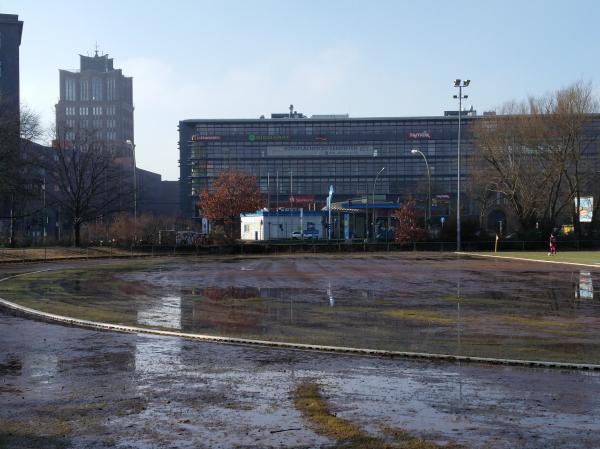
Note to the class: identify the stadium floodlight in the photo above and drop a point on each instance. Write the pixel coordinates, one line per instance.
(460, 97)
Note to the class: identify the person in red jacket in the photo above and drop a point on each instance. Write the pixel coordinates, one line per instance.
(552, 245)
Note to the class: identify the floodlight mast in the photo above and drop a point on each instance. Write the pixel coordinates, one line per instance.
(460, 84)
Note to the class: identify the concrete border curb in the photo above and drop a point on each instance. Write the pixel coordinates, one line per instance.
(284, 345)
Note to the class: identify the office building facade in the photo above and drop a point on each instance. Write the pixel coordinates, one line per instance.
(297, 159)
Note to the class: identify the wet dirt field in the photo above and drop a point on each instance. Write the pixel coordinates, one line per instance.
(408, 302)
(63, 387)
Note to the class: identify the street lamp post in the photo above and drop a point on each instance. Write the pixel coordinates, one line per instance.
(428, 215)
(132, 145)
(460, 84)
(374, 182)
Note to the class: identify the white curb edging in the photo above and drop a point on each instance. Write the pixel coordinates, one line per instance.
(556, 262)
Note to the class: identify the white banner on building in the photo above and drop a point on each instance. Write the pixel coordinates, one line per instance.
(319, 150)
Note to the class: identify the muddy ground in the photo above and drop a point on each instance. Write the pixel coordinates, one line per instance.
(64, 387)
(408, 302)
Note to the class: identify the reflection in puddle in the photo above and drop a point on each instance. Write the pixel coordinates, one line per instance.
(41, 366)
(369, 303)
(157, 356)
(225, 293)
(585, 288)
(166, 312)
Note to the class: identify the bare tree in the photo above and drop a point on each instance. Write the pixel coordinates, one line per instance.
(516, 170)
(536, 151)
(480, 188)
(89, 180)
(572, 138)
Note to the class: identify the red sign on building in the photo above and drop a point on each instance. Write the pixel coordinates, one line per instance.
(198, 138)
(302, 199)
(420, 135)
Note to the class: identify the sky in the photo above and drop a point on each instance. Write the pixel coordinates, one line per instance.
(243, 59)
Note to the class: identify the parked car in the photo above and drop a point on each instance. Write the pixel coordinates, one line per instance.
(385, 235)
(296, 235)
(311, 234)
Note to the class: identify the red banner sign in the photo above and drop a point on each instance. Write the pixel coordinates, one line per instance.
(302, 199)
(198, 138)
(420, 135)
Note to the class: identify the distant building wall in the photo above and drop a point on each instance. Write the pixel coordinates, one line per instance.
(168, 201)
(157, 197)
(11, 29)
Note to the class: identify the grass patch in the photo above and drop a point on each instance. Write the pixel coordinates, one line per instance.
(9, 254)
(310, 402)
(419, 315)
(48, 433)
(90, 313)
(584, 257)
(537, 323)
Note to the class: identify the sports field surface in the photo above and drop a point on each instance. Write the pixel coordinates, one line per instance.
(579, 257)
(418, 302)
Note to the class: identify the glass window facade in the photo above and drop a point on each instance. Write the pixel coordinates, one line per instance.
(296, 160)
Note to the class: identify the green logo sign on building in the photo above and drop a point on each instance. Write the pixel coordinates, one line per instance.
(268, 138)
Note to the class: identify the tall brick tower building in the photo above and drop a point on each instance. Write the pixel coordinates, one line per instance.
(97, 98)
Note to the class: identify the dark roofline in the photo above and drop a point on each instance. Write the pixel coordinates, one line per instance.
(105, 55)
(305, 120)
(353, 119)
(13, 19)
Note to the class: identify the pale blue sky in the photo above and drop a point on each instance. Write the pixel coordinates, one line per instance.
(241, 59)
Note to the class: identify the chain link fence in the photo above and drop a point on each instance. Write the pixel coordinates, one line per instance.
(279, 247)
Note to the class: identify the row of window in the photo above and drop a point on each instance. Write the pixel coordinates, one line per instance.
(391, 170)
(85, 110)
(411, 133)
(315, 128)
(378, 151)
(96, 123)
(91, 91)
(344, 185)
(363, 149)
(99, 135)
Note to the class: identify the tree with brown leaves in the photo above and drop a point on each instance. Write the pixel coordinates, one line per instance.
(408, 229)
(230, 195)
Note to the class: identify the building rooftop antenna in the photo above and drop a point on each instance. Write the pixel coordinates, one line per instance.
(96, 51)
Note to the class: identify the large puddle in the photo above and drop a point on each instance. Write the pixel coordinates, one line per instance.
(488, 308)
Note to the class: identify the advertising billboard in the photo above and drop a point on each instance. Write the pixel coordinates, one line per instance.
(586, 208)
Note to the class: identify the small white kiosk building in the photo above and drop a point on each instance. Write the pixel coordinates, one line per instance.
(281, 224)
